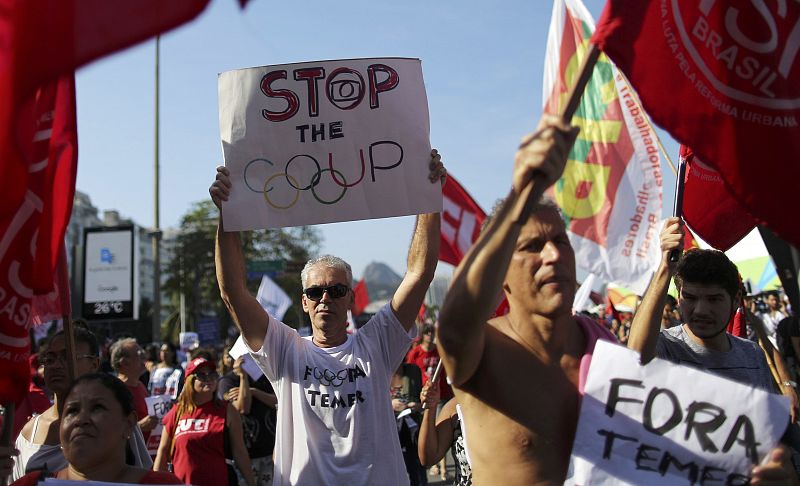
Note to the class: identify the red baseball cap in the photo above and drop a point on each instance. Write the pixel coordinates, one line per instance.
(198, 363)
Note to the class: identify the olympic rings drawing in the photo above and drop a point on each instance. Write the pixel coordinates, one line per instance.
(336, 175)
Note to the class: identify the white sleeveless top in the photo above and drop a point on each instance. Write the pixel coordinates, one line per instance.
(35, 457)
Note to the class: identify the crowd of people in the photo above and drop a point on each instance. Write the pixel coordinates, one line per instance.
(383, 404)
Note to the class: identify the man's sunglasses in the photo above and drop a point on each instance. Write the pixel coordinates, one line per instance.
(335, 291)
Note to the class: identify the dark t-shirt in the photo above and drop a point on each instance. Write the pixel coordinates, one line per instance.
(787, 329)
(259, 424)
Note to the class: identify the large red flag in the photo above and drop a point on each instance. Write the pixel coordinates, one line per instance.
(722, 78)
(708, 208)
(42, 40)
(32, 236)
(461, 222)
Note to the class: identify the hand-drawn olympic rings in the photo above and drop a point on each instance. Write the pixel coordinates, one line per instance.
(337, 176)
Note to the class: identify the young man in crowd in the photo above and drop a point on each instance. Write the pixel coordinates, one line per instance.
(708, 295)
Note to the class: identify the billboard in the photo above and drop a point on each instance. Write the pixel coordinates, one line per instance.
(109, 276)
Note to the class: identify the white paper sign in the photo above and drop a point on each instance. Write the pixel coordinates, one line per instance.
(664, 424)
(249, 365)
(326, 141)
(157, 406)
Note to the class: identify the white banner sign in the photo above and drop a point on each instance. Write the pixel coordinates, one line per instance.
(157, 406)
(326, 141)
(665, 424)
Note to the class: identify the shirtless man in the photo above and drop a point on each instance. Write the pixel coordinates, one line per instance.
(517, 376)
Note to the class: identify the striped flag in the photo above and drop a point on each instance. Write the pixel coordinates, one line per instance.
(610, 193)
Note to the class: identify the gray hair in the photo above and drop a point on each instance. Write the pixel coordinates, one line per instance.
(117, 353)
(328, 261)
(544, 203)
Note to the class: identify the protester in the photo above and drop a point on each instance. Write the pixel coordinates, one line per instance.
(127, 360)
(443, 431)
(426, 357)
(670, 316)
(38, 443)
(166, 377)
(406, 384)
(519, 377)
(97, 423)
(708, 293)
(772, 316)
(256, 403)
(335, 419)
(789, 343)
(35, 402)
(197, 431)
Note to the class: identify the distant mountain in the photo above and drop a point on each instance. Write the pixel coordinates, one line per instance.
(382, 281)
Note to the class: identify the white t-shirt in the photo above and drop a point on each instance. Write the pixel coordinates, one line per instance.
(335, 418)
(771, 325)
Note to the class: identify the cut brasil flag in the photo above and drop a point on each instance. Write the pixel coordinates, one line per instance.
(610, 192)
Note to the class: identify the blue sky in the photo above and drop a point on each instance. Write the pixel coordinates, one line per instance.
(482, 63)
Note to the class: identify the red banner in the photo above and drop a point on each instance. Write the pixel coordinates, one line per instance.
(33, 234)
(722, 78)
(708, 208)
(461, 222)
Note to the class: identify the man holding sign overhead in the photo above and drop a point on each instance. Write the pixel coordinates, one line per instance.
(335, 421)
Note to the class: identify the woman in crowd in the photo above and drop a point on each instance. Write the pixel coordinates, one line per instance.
(440, 433)
(96, 424)
(38, 442)
(199, 429)
(166, 377)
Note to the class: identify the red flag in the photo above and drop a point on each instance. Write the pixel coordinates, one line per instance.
(44, 39)
(461, 222)
(722, 78)
(709, 208)
(33, 234)
(422, 313)
(611, 310)
(56, 304)
(41, 41)
(361, 298)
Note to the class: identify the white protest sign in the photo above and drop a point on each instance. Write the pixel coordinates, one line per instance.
(157, 406)
(326, 141)
(665, 424)
(249, 365)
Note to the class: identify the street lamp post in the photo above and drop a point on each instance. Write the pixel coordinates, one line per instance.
(156, 240)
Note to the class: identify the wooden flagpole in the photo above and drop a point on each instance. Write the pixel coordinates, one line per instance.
(69, 345)
(534, 190)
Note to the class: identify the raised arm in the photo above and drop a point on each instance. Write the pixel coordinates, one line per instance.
(646, 323)
(435, 433)
(423, 254)
(247, 313)
(478, 280)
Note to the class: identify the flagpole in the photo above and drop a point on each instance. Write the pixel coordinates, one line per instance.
(69, 346)
(677, 208)
(652, 128)
(156, 329)
(534, 190)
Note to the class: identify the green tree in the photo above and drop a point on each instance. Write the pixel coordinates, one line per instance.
(191, 269)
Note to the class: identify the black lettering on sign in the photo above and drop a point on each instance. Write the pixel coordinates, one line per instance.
(642, 456)
(668, 460)
(702, 429)
(672, 421)
(614, 396)
(610, 437)
(748, 441)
